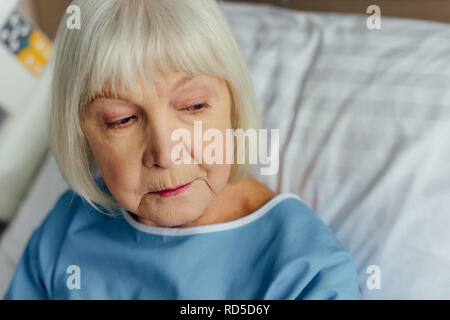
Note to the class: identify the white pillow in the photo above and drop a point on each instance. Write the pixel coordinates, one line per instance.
(364, 119)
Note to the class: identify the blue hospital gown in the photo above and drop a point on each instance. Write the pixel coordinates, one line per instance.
(280, 251)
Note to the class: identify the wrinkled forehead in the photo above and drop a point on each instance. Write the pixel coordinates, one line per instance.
(161, 86)
(161, 83)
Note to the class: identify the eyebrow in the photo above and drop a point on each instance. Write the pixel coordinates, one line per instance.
(108, 95)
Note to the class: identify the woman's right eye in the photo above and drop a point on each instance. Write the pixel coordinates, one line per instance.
(119, 123)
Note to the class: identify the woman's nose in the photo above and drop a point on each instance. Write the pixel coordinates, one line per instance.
(159, 145)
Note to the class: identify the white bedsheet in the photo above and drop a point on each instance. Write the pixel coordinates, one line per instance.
(364, 118)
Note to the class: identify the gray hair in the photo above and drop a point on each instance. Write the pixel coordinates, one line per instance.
(118, 37)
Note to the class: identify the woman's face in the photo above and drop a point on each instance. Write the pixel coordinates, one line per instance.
(131, 140)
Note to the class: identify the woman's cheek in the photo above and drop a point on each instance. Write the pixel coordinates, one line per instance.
(124, 180)
(118, 163)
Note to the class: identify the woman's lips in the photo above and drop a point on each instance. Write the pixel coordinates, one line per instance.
(172, 192)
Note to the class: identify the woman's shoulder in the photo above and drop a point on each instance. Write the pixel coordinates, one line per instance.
(67, 202)
(60, 215)
(70, 209)
(294, 212)
(48, 237)
(315, 245)
(257, 194)
(260, 195)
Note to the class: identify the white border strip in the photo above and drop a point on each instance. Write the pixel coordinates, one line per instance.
(211, 227)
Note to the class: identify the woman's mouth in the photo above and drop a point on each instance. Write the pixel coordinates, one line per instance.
(172, 192)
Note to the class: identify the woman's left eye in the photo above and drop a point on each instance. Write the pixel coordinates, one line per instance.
(119, 123)
(197, 107)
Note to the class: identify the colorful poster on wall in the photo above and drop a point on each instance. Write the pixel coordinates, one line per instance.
(26, 42)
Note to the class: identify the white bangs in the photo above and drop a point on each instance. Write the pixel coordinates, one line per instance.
(147, 38)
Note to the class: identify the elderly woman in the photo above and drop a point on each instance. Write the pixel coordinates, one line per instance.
(138, 225)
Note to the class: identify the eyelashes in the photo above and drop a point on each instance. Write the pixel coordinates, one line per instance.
(198, 107)
(122, 123)
(119, 123)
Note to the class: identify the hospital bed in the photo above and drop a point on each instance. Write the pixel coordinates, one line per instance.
(364, 119)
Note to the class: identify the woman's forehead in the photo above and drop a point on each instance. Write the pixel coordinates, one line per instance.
(164, 86)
